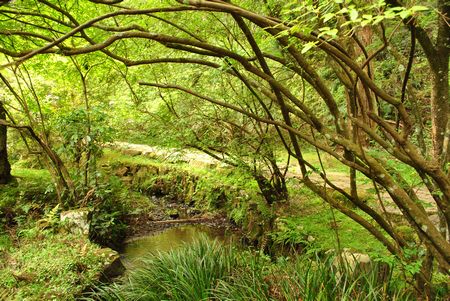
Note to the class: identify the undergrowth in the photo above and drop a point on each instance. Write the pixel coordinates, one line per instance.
(27, 273)
(39, 258)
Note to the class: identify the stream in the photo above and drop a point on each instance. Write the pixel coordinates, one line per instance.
(170, 239)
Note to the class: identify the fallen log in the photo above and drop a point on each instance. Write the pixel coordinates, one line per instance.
(182, 221)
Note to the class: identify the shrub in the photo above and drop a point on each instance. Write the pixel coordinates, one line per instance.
(108, 226)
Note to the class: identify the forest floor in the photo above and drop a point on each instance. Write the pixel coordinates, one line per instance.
(39, 258)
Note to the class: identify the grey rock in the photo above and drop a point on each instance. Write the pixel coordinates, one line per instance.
(77, 221)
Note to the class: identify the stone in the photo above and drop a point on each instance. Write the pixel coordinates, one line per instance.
(150, 154)
(113, 266)
(310, 238)
(134, 169)
(76, 221)
(224, 166)
(193, 212)
(141, 172)
(128, 180)
(212, 165)
(122, 171)
(356, 260)
(352, 261)
(131, 152)
(358, 263)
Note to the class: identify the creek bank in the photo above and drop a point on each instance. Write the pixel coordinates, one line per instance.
(339, 178)
(178, 191)
(174, 192)
(160, 197)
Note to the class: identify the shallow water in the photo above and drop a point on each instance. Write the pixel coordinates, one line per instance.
(170, 239)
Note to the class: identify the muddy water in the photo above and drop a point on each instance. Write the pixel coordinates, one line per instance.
(170, 239)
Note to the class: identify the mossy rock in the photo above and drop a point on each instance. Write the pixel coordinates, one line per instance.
(112, 264)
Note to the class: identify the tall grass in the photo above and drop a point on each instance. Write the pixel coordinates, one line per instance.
(207, 270)
(322, 280)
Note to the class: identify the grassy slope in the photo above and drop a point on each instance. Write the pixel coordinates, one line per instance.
(317, 219)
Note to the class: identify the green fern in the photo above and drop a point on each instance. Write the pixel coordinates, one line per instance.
(50, 219)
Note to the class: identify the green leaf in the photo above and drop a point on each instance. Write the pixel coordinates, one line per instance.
(405, 14)
(346, 23)
(378, 19)
(331, 32)
(328, 17)
(390, 14)
(417, 8)
(308, 46)
(397, 8)
(353, 14)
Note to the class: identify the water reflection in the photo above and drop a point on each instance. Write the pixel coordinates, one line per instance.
(170, 239)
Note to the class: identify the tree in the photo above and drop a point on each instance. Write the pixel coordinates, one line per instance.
(437, 52)
(280, 59)
(5, 167)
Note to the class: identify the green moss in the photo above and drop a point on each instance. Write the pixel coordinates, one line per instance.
(207, 188)
(116, 158)
(172, 212)
(407, 233)
(31, 175)
(224, 177)
(5, 243)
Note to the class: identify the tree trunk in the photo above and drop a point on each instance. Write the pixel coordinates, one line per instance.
(424, 285)
(438, 57)
(270, 193)
(5, 167)
(439, 110)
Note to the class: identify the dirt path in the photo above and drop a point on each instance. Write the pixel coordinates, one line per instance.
(166, 153)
